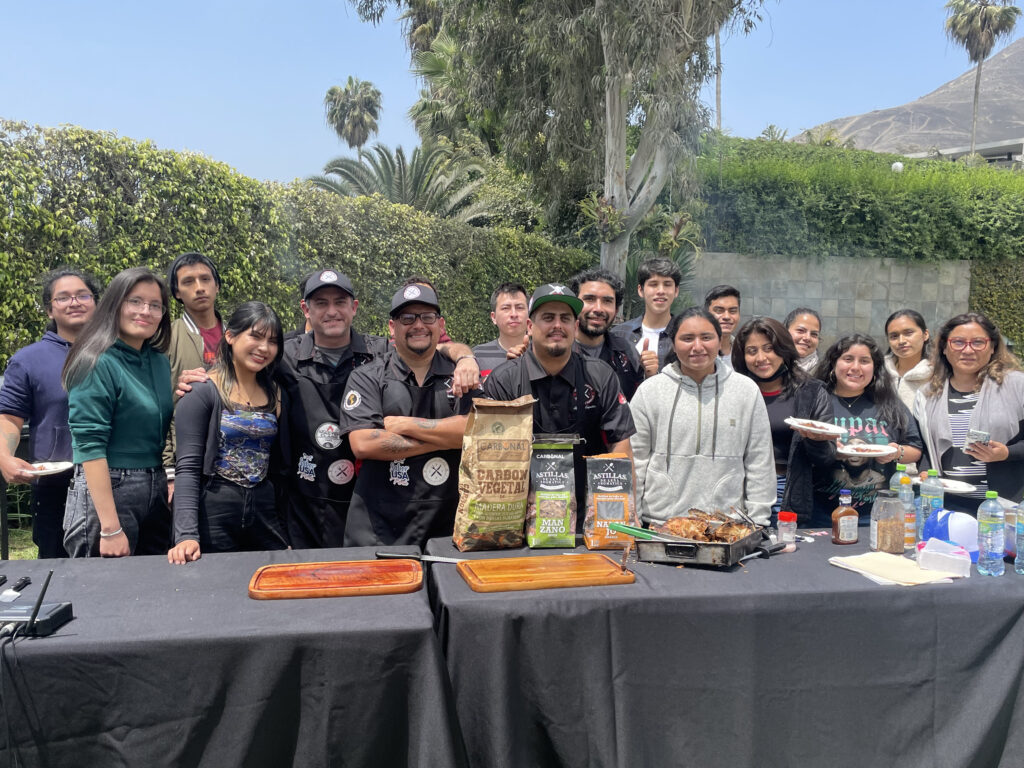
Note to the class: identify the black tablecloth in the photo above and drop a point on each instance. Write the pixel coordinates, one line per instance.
(787, 662)
(177, 666)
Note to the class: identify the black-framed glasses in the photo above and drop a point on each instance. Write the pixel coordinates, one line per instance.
(139, 305)
(976, 344)
(428, 318)
(63, 300)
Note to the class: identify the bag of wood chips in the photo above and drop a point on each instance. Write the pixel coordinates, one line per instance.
(551, 511)
(609, 500)
(494, 474)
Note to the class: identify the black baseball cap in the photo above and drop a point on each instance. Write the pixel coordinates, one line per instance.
(555, 292)
(417, 293)
(326, 277)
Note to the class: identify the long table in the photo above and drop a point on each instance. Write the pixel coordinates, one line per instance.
(177, 666)
(781, 662)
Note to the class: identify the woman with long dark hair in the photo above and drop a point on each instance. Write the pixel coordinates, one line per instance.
(977, 384)
(907, 359)
(703, 438)
(119, 409)
(227, 428)
(865, 404)
(765, 352)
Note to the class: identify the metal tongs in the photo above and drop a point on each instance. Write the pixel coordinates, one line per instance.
(643, 533)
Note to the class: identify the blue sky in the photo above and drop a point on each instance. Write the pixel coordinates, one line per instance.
(244, 83)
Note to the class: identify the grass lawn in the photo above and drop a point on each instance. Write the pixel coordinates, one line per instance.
(20, 544)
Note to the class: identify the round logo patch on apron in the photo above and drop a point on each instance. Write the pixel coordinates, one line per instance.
(328, 436)
(341, 472)
(436, 471)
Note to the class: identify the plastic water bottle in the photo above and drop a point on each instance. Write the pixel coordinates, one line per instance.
(1018, 562)
(991, 536)
(906, 496)
(932, 499)
(897, 478)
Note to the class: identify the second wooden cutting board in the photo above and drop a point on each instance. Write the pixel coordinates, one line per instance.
(509, 574)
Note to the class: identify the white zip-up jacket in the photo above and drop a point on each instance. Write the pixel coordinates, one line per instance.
(706, 445)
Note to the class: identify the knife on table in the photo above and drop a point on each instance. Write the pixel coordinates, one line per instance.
(422, 558)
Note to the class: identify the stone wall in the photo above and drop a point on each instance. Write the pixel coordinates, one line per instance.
(850, 294)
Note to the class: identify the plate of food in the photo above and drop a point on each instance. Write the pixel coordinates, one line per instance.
(48, 468)
(953, 486)
(818, 427)
(865, 451)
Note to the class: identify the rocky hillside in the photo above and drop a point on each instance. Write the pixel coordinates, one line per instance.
(942, 119)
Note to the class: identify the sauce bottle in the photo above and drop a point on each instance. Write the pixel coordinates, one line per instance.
(845, 520)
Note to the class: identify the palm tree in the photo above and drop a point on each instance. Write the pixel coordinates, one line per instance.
(435, 179)
(977, 25)
(352, 111)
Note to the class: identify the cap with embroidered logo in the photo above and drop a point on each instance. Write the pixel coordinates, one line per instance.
(417, 293)
(326, 277)
(555, 292)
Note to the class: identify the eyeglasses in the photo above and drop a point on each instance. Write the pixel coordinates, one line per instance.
(408, 318)
(976, 344)
(139, 305)
(63, 300)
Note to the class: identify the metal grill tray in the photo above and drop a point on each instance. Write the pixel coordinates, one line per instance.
(716, 554)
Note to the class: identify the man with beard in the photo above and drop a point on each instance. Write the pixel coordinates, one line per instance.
(723, 301)
(601, 294)
(577, 395)
(405, 423)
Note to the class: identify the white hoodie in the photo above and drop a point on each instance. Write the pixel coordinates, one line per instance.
(706, 445)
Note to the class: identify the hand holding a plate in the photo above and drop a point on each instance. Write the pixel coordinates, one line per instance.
(16, 470)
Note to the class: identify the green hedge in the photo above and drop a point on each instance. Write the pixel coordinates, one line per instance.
(801, 200)
(103, 203)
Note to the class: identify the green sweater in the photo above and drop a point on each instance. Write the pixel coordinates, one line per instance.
(122, 409)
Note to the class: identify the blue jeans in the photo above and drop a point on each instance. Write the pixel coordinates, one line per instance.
(140, 496)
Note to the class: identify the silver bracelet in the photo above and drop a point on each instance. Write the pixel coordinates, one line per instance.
(118, 532)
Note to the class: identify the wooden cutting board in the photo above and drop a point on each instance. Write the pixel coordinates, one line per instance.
(335, 579)
(509, 574)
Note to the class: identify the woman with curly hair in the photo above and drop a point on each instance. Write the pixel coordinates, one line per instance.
(765, 352)
(976, 384)
(865, 404)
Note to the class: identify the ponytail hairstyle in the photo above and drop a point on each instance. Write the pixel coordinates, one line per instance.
(880, 389)
(257, 316)
(102, 330)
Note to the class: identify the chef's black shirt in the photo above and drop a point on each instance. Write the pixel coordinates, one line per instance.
(623, 358)
(606, 419)
(321, 471)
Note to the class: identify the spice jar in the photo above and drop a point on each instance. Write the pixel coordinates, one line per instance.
(887, 523)
(845, 520)
(787, 530)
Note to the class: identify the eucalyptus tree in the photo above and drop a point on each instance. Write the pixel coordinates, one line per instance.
(977, 25)
(568, 78)
(352, 111)
(435, 179)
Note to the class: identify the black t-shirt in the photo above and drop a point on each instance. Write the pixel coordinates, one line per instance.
(863, 476)
(779, 409)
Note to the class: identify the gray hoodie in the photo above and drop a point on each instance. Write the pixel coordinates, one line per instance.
(706, 445)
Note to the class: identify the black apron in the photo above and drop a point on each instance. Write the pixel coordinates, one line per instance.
(409, 500)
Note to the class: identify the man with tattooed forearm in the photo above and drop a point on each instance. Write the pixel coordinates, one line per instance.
(405, 424)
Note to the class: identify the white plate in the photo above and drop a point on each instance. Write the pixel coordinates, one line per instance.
(865, 451)
(818, 427)
(49, 468)
(953, 486)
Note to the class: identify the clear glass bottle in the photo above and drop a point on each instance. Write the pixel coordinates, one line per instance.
(845, 520)
(886, 533)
